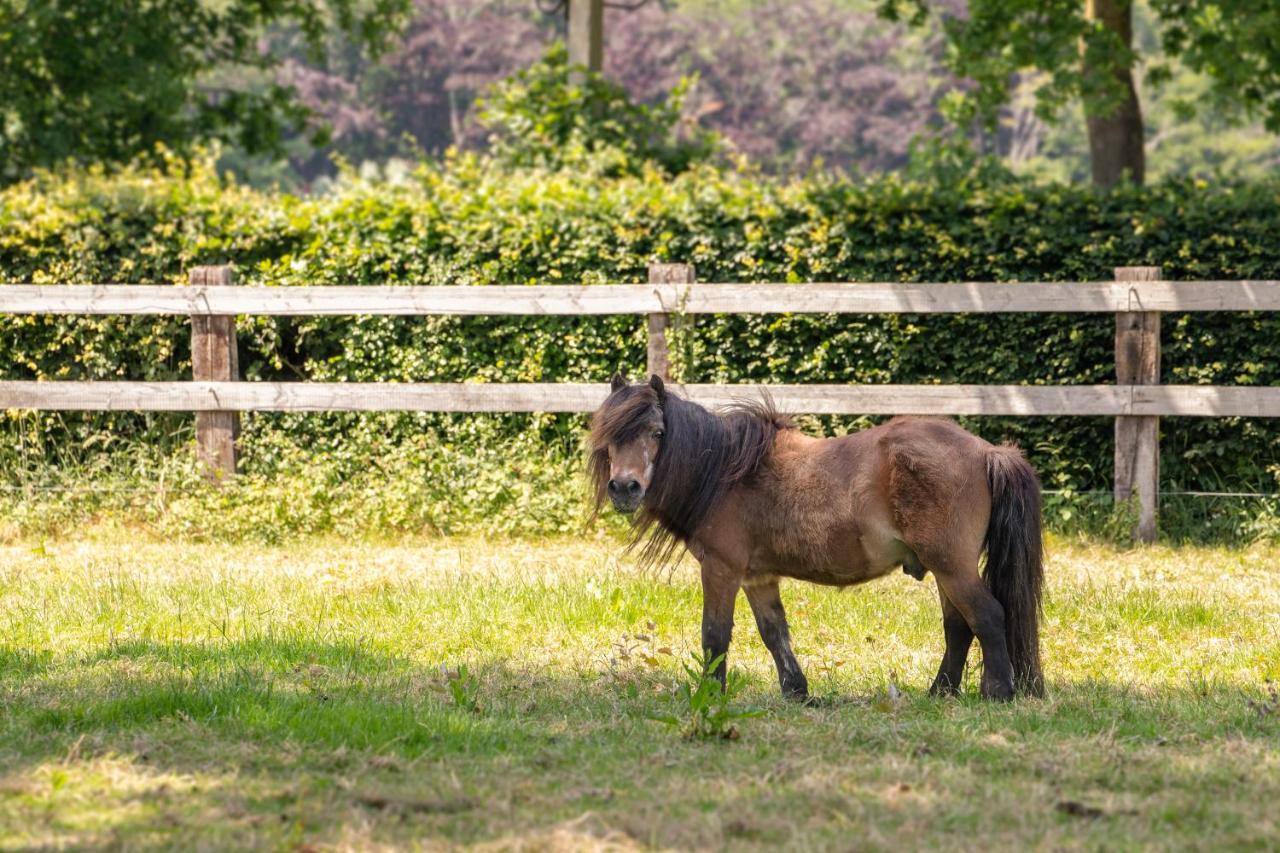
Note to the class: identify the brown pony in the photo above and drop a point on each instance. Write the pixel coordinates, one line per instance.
(755, 500)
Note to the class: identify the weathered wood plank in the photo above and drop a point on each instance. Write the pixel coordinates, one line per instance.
(1137, 451)
(850, 298)
(1093, 400)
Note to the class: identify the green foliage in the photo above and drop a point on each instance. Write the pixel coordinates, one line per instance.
(996, 39)
(1188, 134)
(472, 223)
(107, 80)
(950, 160)
(702, 706)
(539, 118)
(1073, 57)
(1233, 43)
(463, 687)
(482, 479)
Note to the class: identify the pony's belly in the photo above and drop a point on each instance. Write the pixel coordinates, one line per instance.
(847, 574)
(857, 560)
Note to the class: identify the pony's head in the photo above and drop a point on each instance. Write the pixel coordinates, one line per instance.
(626, 442)
(667, 461)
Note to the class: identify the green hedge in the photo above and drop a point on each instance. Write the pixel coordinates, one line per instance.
(467, 222)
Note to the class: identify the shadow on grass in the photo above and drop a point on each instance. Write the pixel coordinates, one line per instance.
(298, 714)
(327, 695)
(342, 695)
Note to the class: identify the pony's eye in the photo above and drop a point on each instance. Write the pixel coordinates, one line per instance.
(658, 434)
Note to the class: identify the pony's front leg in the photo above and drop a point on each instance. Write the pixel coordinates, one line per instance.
(771, 619)
(719, 594)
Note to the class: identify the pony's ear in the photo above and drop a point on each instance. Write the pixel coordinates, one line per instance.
(655, 382)
(618, 382)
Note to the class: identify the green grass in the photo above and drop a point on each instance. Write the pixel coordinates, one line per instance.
(290, 696)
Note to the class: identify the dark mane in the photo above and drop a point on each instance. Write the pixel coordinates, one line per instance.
(703, 455)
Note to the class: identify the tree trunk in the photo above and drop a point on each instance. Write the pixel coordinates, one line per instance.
(1115, 139)
(586, 35)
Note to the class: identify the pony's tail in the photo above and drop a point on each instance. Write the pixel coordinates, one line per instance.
(1015, 561)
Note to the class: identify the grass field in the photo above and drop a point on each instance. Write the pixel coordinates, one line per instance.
(213, 696)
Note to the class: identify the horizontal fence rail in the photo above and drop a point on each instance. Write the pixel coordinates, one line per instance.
(1137, 299)
(1047, 400)
(565, 299)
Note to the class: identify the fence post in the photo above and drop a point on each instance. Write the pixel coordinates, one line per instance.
(213, 359)
(659, 362)
(1137, 437)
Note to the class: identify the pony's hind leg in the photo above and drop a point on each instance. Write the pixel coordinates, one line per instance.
(771, 619)
(985, 617)
(959, 637)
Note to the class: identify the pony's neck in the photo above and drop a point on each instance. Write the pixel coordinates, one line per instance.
(712, 454)
(704, 457)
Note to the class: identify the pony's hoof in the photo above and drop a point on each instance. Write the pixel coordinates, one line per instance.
(802, 696)
(944, 690)
(997, 692)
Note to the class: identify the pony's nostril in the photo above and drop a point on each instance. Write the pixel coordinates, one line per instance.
(629, 488)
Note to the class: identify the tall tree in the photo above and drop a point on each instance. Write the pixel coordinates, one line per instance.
(1084, 50)
(105, 80)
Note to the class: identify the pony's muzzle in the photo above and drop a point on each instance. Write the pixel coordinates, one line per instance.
(625, 494)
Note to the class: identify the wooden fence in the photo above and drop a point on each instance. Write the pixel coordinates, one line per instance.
(1137, 297)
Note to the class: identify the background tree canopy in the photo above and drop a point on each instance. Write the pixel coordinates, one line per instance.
(790, 85)
(105, 80)
(1086, 51)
